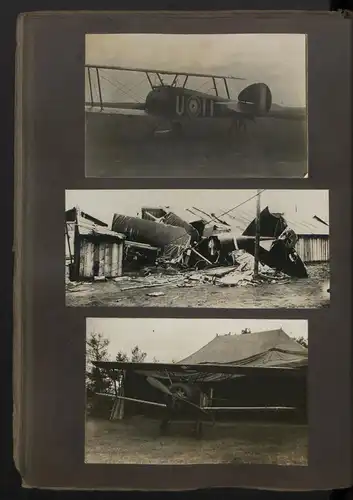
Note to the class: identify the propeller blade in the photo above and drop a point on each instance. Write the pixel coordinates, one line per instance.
(159, 386)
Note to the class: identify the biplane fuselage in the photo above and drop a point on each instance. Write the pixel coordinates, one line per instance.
(178, 102)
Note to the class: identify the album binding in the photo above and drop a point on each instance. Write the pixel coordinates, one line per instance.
(252, 298)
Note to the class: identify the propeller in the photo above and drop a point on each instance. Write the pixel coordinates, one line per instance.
(158, 385)
(163, 388)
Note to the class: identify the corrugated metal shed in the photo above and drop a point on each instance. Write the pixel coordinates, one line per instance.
(313, 248)
(313, 244)
(313, 235)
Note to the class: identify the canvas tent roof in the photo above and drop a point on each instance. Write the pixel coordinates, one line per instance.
(267, 348)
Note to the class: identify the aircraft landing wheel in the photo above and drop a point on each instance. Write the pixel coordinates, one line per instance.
(233, 131)
(177, 129)
(236, 129)
(164, 427)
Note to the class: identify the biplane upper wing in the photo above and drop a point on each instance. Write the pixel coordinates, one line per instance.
(151, 71)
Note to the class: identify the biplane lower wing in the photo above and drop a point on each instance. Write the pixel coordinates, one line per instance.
(114, 110)
(209, 408)
(287, 113)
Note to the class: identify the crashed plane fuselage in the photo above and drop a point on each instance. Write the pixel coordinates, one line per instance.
(175, 237)
(280, 256)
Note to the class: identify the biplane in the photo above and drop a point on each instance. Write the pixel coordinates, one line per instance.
(186, 388)
(177, 103)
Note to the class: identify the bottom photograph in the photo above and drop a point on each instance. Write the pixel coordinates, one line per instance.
(196, 391)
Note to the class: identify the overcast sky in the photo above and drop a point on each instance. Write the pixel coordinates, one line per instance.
(104, 203)
(169, 339)
(279, 60)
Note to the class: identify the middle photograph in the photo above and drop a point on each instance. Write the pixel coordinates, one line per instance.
(197, 248)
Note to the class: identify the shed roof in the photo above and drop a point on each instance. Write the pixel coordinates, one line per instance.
(307, 226)
(85, 228)
(241, 218)
(71, 214)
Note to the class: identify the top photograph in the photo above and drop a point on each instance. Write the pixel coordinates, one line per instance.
(198, 106)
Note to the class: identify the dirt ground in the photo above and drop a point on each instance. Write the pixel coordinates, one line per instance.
(293, 293)
(125, 147)
(138, 440)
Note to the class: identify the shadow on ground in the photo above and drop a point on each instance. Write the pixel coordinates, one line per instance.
(122, 146)
(137, 440)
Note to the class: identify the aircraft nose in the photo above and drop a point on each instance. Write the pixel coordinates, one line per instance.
(155, 99)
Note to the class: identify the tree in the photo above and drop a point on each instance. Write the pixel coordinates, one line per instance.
(122, 357)
(302, 341)
(96, 350)
(137, 356)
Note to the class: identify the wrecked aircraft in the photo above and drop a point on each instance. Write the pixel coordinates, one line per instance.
(197, 239)
(173, 240)
(281, 255)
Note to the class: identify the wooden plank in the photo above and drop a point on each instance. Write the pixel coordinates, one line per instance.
(82, 258)
(120, 258)
(89, 260)
(101, 259)
(108, 260)
(115, 256)
(96, 259)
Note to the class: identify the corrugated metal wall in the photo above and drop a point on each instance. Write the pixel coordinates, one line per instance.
(100, 259)
(313, 248)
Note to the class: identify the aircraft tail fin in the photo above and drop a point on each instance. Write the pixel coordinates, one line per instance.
(257, 97)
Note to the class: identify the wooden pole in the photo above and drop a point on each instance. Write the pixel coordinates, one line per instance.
(257, 235)
(68, 242)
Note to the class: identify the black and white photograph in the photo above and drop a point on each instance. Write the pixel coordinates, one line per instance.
(198, 248)
(187, 105)
(194, 391)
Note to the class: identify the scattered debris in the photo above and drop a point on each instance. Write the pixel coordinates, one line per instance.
(148, 283)
(100, 278)
(218, 272)
(76, 287)
(121, 278)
